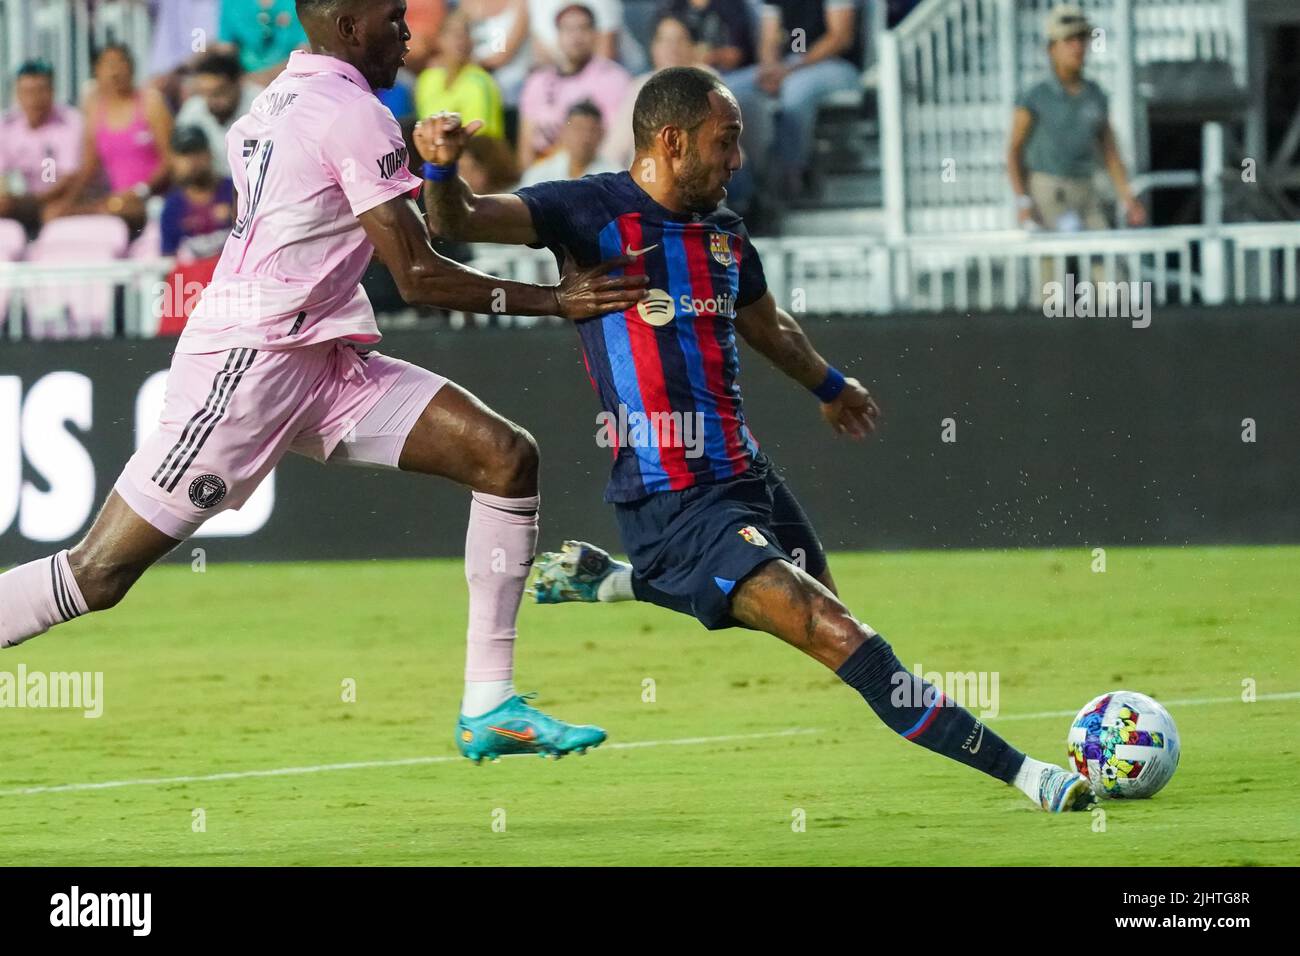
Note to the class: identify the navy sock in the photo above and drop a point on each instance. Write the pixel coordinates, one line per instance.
(922, 714)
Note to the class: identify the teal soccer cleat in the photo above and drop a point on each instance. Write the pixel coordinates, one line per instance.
(574, 573)
(517, 728)
(1060, 791)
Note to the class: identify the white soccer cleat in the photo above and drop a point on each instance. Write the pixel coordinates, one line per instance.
(1060, 791)
(574, 573)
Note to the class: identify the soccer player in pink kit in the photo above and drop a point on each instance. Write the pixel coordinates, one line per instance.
(277, 358)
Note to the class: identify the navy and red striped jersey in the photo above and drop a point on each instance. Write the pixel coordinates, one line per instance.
(666, 370)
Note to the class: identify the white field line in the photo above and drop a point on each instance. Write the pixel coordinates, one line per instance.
(1169, 704)
(631, 745)
(371, 764)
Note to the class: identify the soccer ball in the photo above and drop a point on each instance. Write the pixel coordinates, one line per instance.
(1125, 744)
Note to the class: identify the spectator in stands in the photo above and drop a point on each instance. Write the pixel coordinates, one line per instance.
(219, 96)
(400, 99)
(265, 32)
(456, 84)
(199, 211)
(808, 50)
(550, 91)
(607, 18)
(1060, 134)
(424, 20)
(40, 148)
(673, 44)
(578, 152)
(488, 166)
(722, 30)
(501, 45)
(127, 135)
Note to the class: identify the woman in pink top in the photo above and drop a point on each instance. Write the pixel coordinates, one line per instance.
(128, 130)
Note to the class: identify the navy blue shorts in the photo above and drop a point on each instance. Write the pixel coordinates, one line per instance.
(689, 549)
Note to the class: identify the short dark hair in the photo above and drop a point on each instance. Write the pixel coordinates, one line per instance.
(668, 15)
(677, 96)
(36, 68)
(224, 65)
(585, 108)
(189, 140)
(114, 47)
(319, 8)
(591, 15)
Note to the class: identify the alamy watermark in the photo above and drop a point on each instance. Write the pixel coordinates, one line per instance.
(221, 300)
(636, 429)
(56, 690)
(1085, 299)
(76, 908)
(969, 689)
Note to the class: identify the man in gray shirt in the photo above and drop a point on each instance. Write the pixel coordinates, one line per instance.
(220, 94)
(1060, 132)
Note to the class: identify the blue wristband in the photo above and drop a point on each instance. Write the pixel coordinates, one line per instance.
(436, 174)
(831, 386)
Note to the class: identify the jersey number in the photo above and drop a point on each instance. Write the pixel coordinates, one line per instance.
(257, 160)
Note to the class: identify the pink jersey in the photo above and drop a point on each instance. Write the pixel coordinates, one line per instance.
(45, 156)
(316, 151)
(549, 94)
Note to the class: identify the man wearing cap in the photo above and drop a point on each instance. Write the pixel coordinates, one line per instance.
(198, 213)
(1059, 133)
(40, 148)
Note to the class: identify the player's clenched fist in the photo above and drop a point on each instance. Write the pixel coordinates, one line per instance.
(441, 139)
(853, 412)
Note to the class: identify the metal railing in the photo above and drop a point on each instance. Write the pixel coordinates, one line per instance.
(81, 301)
(950, 74)
(1265, 258)
(1015, 270)
(1249, 264)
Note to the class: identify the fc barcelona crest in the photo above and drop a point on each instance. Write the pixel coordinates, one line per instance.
(720, 246)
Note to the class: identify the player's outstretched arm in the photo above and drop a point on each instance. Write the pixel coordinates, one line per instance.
(426, 278)
(453, 211)
(774, 333)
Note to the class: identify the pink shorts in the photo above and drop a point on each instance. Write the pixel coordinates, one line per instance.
(229, 417)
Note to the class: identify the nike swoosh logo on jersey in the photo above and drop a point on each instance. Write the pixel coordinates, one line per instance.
(979, 742)
(640, 252)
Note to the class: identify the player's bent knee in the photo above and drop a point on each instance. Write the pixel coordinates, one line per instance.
(838, 631)
(514, 461)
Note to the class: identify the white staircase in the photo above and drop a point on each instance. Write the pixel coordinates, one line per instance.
(950, 73)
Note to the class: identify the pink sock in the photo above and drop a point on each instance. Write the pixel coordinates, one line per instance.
(35, 597)
(498, 556)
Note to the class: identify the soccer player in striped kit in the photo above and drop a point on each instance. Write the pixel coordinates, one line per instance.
(710, 533)
(278, 357)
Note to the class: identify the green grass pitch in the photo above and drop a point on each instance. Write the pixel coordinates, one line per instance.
(243, 668)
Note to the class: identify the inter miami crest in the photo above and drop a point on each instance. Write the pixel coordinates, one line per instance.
(207, 491)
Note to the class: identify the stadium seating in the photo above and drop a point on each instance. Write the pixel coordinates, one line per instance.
(149, 244)
(13, 241)
(59, 309)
